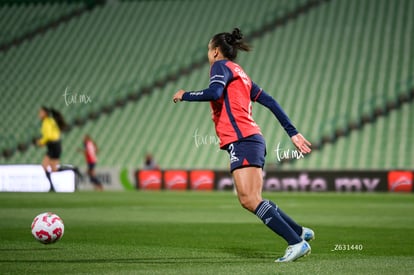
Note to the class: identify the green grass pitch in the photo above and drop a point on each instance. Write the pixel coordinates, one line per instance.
(205, 233)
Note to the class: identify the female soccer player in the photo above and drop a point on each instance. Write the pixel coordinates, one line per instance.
(230, 93)
(52, 125)
(91, 150)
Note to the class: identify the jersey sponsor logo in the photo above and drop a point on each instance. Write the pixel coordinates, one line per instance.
(197, 93)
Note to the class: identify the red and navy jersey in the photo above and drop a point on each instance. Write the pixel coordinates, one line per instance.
(231, 93)
(232, 112)
(90, 151)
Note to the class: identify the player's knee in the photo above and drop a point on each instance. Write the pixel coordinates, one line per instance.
(248, 202)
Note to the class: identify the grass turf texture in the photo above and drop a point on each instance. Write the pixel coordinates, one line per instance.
(205, 233)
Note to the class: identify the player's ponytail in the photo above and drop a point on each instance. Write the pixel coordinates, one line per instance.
(230, 43)
(57, 116)
(60, 120)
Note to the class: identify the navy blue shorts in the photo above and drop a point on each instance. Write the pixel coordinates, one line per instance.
(249, 151)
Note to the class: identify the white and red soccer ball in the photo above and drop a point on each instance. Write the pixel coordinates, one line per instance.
(47, 228)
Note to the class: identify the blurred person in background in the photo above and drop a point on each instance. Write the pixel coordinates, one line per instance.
(53, 123)
(149, 163)
(90, 150)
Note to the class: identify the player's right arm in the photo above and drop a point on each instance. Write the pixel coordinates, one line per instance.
(213, 92)
(220, 75)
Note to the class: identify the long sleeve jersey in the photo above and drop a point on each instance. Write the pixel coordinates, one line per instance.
(231, 93)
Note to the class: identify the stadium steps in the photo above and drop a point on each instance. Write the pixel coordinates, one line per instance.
(89, 55)
(334, 103)
(318, 57)
(71, 56)
(379, 145)
(340, 63)
(22, 21)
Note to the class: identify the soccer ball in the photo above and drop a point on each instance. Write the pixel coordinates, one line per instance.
(47, 228)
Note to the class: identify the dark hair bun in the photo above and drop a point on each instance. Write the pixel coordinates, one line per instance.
(234, 37)
(230, 43)
(236, 34)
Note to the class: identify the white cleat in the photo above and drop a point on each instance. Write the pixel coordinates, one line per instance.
(294, 252)
(307, 234)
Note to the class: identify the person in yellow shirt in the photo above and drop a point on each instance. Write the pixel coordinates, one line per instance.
(52, 125)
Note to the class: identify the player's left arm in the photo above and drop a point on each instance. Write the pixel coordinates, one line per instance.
(257, 94)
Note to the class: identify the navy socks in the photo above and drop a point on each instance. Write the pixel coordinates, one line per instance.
(296, 227)
(267, 211)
